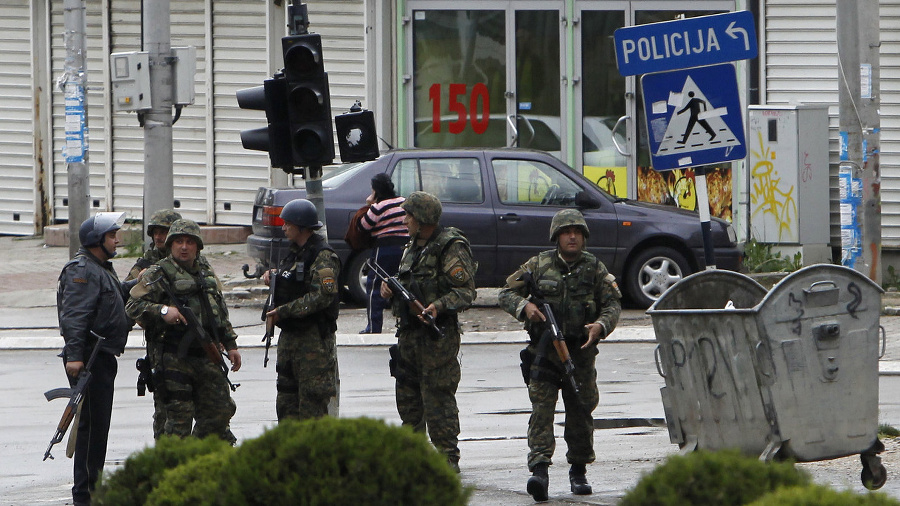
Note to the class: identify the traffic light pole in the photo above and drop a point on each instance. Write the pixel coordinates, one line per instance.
(159, 190)
(297, 25)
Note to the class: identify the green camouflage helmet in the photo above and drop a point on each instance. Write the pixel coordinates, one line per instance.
(424, 207)
(568, 218)
(163, 218)
(184, 227)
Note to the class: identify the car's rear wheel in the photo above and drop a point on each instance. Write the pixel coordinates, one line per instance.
(652, 272)
(356, 277)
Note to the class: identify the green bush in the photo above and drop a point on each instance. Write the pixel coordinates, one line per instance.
(320, 462)
(196, 482)
(722, 478)
(143, 470)
(817, 495)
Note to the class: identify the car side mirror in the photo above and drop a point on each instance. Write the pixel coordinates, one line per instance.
(584, 200)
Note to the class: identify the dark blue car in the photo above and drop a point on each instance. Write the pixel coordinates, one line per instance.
(503, 200)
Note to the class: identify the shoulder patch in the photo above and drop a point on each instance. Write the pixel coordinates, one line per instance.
(458, 274)
(329, 283)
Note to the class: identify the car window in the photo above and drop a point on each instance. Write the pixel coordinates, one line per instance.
(456, 180)
(533, 182)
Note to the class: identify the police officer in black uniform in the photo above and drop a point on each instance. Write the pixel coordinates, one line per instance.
(89, 298)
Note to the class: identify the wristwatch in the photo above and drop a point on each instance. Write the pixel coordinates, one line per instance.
(164, 310)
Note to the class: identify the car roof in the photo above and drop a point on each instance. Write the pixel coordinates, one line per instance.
(455, 150)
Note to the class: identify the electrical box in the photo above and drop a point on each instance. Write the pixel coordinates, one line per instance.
(788, 164)
(185, 68)
(130, 77)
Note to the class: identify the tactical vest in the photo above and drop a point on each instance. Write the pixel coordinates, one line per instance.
(570, 294)
(421, 271)
(191, 289)
(294, 282)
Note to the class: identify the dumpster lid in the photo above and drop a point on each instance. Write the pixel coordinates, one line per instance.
(711, 289)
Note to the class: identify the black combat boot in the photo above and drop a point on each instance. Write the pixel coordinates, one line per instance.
(539, 482)
(578, 481)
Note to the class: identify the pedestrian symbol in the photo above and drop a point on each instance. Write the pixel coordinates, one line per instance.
(693, 117)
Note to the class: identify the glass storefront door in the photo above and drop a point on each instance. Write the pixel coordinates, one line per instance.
(494, 73)
(472, 87)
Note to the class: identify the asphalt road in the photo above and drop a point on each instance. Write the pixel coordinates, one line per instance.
(494, 412)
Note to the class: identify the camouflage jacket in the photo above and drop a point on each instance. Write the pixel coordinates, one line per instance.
(151, 256)
(148, 297)
(308, 287)
(442, 271)
(579, 293)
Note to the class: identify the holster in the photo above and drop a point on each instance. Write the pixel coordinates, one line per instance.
(145, 380)
(527, 358)
(400, 369)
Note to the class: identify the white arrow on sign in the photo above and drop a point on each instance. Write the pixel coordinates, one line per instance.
(732, 31)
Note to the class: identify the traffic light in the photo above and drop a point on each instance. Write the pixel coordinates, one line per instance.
(308, 101)
(356, 134)
(276, 137)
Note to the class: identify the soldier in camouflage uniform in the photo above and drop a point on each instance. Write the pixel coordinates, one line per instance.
(194, 388)
(306, 310)
(157, 229)
(438, 269)
(585, 299)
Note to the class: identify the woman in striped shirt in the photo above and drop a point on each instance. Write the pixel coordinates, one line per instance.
(384, 221)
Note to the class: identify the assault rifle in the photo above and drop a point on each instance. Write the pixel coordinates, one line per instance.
(75, 395)
(270, 322)
(553, 333)
(215, 355)
(412, 302)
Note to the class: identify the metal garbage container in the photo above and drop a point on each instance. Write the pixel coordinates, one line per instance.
(792, 373)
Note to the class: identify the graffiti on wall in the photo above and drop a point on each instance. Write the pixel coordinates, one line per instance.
(773, 205)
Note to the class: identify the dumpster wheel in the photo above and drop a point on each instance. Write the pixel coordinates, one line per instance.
(873, 475)
(875, 478)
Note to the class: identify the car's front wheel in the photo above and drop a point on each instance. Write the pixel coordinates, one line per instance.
(356, 277)
(652, 272)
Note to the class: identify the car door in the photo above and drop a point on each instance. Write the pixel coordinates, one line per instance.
(458, 180)
(531, 189)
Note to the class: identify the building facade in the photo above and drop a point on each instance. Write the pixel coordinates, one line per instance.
(528, 73)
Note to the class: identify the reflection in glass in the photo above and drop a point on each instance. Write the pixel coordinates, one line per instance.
(603, 102)
(537, 81)
(459, 78)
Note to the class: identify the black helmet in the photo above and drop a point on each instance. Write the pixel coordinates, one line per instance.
(302, 213)
(94, 228)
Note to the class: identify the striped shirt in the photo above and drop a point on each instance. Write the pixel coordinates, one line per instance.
(385, 219)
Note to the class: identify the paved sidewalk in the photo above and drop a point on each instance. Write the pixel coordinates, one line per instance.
(29, 271)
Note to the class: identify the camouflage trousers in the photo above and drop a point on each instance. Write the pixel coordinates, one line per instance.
(307, 373)
(579, 423)
(154, 354)
(428, 375)
(196, 389)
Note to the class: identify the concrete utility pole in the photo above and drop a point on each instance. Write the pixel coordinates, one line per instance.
(858, 41)
(75, 151)
(158, 179)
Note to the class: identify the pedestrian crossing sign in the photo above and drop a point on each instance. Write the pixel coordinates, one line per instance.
(694, 117)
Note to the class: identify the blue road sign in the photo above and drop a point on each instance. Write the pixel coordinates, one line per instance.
(694, 117)
(685, 43)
